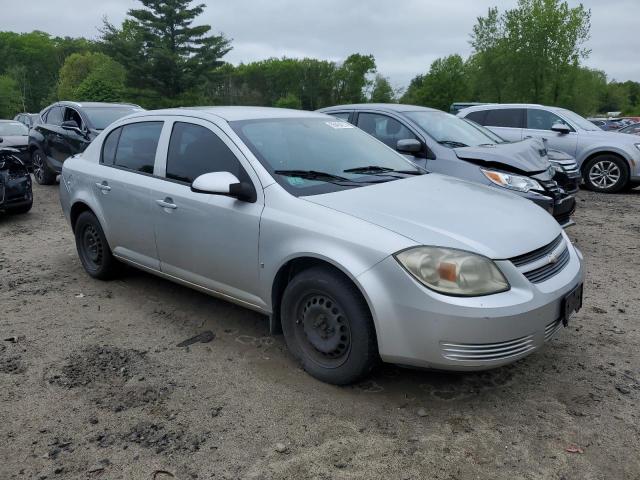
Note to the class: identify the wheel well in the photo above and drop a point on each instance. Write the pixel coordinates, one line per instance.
(284, 276)
(598, 154)
(76, 210)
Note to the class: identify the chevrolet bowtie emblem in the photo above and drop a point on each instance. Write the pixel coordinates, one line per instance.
(553, 258)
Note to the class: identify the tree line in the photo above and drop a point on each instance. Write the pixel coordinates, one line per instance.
(159, 58)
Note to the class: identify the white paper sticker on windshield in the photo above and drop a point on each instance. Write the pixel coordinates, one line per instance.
(339, 125)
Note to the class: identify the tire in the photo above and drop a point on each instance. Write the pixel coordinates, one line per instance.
(328, 326)
(41, 171)
(606, 174)
(20, 210)
(93, 249)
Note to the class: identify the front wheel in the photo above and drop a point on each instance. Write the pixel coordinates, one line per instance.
(93, 249)
(606, 174)
(328, 326)
(41, 171)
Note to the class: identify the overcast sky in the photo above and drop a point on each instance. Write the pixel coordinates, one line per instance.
(405, 36)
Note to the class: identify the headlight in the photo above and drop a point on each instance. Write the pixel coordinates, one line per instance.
(555, 168)
(513, 182)
(453, 272)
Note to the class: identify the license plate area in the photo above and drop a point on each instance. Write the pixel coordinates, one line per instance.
(571, 303)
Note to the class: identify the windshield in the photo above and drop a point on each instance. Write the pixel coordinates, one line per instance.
(450, 130)
(102, 117)
(579, 121)
(13, 128)
(319, 155)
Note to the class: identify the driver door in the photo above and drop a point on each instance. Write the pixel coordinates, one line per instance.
(539, 123)
(207, 240)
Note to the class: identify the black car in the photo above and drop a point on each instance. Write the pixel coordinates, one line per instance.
(15, 182)
(16, 135)
(67, 128)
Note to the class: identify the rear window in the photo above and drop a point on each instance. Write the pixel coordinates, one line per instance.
(505, 117)
(477, 117)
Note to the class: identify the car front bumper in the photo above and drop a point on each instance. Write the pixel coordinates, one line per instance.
(419, 327)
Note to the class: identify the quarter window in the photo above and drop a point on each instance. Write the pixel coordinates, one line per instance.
(477, 117)
(384, 128)
(195, 150)
(505, 117)
(109, 146)
(543, 120)
(137, 146)
(341, 115)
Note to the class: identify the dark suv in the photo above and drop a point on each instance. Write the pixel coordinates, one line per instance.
(67, 128)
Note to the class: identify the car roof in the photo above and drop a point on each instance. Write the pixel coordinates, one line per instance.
(234, 113)
(388, 107)
(94, 104)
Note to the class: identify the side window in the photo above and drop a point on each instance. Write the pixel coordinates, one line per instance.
(505, 117)
(543, 120)
(341, 115)
(54, 116)
(385, 129)
(109, 147)
(195, 150)
(137, 146)
(71, 115)
(477, 117)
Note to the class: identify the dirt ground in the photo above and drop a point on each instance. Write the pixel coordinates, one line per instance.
(93, 383)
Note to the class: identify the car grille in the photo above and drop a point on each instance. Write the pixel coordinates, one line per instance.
(487, 351)
(545, 262)
(569, 165)
(551, 329)
(552, 187)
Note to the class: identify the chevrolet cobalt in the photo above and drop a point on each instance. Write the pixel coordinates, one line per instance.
(353, 251)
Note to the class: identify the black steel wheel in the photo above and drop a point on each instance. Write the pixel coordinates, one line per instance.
(328, 326)
(93, 249)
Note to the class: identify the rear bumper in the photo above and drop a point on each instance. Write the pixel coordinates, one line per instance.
(418, 327)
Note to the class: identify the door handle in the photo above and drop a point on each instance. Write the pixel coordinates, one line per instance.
(167, 203)
(104, 186)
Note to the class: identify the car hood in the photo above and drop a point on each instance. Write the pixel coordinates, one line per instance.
(14, 140)
(445, 211)
(525, 156)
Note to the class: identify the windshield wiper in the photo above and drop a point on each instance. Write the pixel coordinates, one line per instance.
(452, 143)
(378, 170)
(314, 175)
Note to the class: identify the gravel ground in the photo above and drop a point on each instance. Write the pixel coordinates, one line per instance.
(94, 384)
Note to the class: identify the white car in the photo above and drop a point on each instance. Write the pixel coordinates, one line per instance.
(609, 161)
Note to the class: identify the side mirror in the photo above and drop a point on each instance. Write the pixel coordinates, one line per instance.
(224, 183)
(409, 145)
(560, 128)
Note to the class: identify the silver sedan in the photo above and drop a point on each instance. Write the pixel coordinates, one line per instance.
(353, 252)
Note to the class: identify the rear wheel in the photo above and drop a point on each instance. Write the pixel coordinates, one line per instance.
(328, 326)
(606, 174)
(93, 249)
(41, 172)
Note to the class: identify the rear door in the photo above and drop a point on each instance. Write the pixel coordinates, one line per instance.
(208, 240)
(506, 122)
(539, 123)
(122, 188)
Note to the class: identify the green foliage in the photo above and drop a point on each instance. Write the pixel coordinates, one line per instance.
(91, 76)
(161, 49)
(382, 91)
(445, 83)
(352, 78)
(9, 97)
(290, 101)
